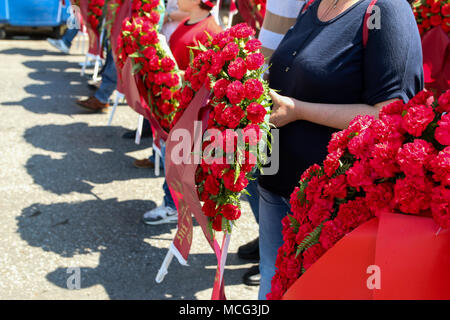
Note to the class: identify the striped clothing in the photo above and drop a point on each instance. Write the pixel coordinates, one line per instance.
(280, 16)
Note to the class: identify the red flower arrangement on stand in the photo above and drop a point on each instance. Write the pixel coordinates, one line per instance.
(95, 13)
(230, 65)
(155, 68)
(398, 163)
(432, 13)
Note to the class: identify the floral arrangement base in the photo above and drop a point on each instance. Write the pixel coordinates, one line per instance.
(409, 254)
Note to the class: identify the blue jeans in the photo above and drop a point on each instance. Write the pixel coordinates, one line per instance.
(253, 199)
(68, 36)
(109, 79)
(273, 208)
(168, 201)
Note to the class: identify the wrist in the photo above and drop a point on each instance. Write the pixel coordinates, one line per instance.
(297, 107)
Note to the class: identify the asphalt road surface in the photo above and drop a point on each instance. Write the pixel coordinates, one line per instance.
(71, 198)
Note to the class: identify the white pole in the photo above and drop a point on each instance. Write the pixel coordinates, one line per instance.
(137, 140)
(116, 102)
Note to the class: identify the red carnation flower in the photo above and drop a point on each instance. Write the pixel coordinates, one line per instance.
(253, 45)
(352, 214)
(446, 9)
(167, 64)
(254, 61)
(413, 157)
(233, 116)
(330, 234)
(256, 112)
(230, 184)
(253, 89)
(252, 134)
(359, 175)
(412, 194)
(440, 165)
(220, 88)
(339, 140)
(217, 223)
(312, 254)
(209, 208)
(320, 211)
(230, 211)
(219, 167)
(237, 69)
(166, 94)
(444, 101)
(379, 197)
(303, 231)
(442, 133)
(235, 92)
(212, 186)
(336, 188)
(230, 51)
(417, 118)
(242, 31)
(440, 206)
(395, 108)
(331, 163)
(383, 158)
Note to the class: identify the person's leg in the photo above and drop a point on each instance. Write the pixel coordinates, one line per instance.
(250, 251)
(273, 208)
(253, 199)
(168, 201)
(68, 36)
(65, 42)
(109, 80)
(167, 212)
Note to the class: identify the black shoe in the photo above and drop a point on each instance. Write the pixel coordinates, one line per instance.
(131, 134)
(252, 277)
(249, 251)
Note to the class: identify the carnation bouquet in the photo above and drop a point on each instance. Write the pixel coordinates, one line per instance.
(95, 13)
(432, 13)
(156, 70)
(230, 66)
(398, 163)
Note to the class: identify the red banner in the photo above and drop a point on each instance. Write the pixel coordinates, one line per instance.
(135, 92)
(181, 180)
(94, 36)
(408, 254)
(116, 28)
(436, 60)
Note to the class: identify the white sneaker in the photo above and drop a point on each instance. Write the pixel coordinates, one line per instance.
(160, 215)
(59, 44)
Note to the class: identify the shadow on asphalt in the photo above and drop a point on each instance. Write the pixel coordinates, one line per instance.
(90, 155)
(32, 52)
(60, 85)
(128, 263)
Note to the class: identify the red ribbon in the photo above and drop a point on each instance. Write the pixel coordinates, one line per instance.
(411, 255)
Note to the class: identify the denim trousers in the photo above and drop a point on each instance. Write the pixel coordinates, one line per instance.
(109, 79)
(273, 208)
(68, 36)
(168, 201)
(253, 198)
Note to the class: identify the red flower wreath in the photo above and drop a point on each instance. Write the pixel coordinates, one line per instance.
(400, 162)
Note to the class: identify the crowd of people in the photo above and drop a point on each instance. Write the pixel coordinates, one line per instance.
(322, 74)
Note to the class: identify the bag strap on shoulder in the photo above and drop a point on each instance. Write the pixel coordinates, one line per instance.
(366, 19)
